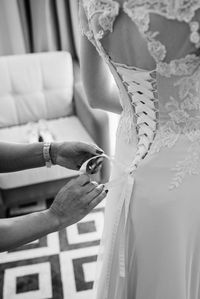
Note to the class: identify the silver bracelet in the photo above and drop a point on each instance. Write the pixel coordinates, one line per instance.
(46, 154)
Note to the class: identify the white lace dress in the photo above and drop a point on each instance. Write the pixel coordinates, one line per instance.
(150, 247)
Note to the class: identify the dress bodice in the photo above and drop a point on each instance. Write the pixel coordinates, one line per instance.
(102, 14)
(165, 106)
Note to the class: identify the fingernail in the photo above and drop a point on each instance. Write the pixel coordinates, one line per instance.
(99, 151)
(100, 186)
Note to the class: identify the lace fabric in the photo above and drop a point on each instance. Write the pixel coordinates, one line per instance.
(182, 112)
(105, 10)
(181, 10)
(139, 11)
(184, 119)
(179, 67)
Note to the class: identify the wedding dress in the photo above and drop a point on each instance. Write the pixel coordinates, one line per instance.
(150, 247)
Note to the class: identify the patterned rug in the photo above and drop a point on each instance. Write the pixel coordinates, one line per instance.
(58, 266)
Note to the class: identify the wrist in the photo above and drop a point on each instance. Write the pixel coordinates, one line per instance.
(54, 152)
(52, 219)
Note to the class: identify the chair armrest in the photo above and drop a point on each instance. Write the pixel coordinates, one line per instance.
(96, 122)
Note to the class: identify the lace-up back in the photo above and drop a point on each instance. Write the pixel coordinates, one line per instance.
(167, 32)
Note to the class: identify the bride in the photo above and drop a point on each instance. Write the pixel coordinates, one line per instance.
(150, 247)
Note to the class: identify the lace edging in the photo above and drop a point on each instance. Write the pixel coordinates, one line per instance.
(107, 10)
(171, 9)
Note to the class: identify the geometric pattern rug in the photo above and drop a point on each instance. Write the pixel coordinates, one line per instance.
(60, 265)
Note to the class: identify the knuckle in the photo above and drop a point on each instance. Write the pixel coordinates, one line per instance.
(102, 195)
(80, 194)
(100, 188)
(92, 186)
(97, 190)
(73, 188)
(84, 178)
(73, 183)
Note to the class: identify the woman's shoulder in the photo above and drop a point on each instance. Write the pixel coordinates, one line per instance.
(98, 16)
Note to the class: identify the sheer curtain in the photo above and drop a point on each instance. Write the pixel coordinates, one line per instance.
(38, 25)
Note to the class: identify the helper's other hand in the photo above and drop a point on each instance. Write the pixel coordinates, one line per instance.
(73, 154)
(75, 200)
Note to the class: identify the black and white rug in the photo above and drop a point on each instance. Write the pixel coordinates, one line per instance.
(58, 266)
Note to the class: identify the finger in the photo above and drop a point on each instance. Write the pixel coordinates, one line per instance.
(94, 161)
(83, 179)
(91, 165)
(88, 164)
(94, 193)
(89, 187)
(91, 148)
(97, 199)
(97, 168)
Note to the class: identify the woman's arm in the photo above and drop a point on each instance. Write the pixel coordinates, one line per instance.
(73, 202)
(17, 231)
(101, 92)
(15, 157)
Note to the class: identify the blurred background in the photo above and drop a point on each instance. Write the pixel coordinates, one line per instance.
(37, 26)
(30, 26)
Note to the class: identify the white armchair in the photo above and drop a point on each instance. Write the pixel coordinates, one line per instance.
(44, 86)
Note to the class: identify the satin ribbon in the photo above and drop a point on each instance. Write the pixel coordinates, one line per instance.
(110, 184)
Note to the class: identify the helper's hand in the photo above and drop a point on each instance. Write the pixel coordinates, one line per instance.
(75, 200)
(73, 154)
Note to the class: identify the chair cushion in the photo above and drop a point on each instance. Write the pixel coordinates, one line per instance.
(63, 129)
(35, 86)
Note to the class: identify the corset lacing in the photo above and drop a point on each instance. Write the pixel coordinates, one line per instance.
(141, 86)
